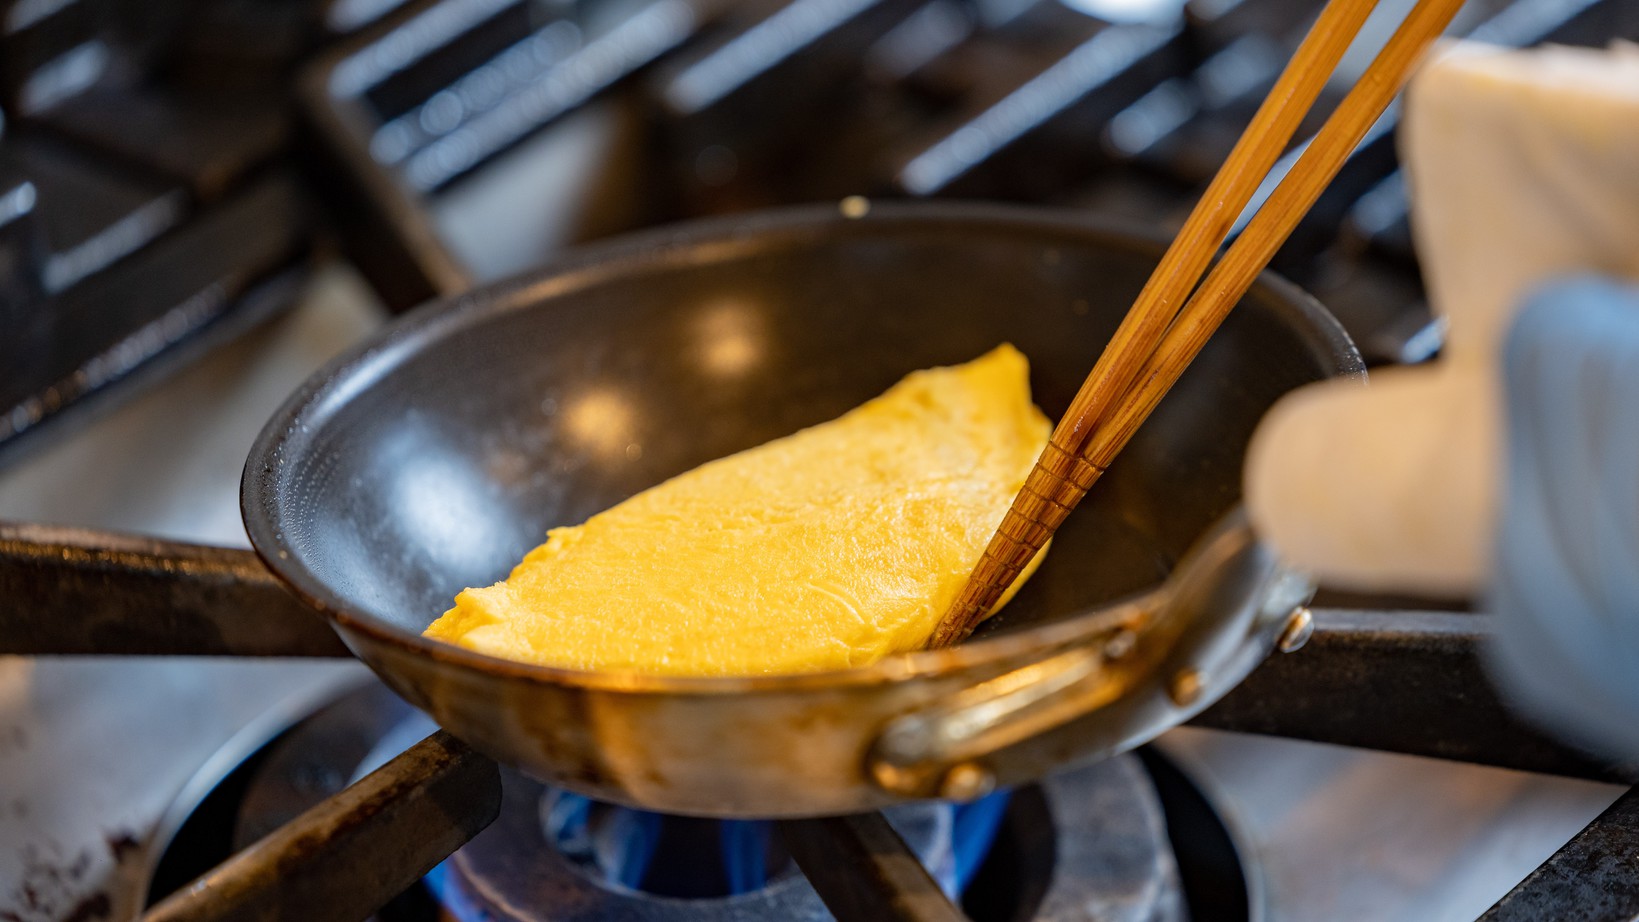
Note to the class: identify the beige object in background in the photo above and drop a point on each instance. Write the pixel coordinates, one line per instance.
(1522, 165)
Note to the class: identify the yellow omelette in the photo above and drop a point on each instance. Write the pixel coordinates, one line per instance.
(829, 548)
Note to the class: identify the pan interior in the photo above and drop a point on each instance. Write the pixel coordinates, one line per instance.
(435, 460)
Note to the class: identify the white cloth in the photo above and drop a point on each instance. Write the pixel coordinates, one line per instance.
(1522, 165)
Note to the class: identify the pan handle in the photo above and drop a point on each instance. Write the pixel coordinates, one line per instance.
(1164, 658)
(72, 591)
(940, 751)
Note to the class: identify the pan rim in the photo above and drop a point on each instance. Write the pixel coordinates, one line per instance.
(382, 351)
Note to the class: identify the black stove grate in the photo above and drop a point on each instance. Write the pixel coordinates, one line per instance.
(161, 180)
(1123, 859)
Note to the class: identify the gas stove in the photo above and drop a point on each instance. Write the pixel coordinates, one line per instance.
(420, 127)
(1090, 841)
(115, 765)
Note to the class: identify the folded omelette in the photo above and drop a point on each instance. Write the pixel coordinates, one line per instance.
(828, 548)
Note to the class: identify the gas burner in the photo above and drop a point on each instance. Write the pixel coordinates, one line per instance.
(1096, 842)
(644, 867)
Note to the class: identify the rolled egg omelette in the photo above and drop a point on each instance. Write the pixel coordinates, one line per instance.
(826, 549)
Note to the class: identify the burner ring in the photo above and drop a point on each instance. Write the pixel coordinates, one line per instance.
(1099, 832)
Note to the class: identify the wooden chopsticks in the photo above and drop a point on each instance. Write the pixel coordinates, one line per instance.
(1157, 340)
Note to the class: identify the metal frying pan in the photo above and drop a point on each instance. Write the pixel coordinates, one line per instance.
(435, 456)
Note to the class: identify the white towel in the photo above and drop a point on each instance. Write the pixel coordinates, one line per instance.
(1522, 165)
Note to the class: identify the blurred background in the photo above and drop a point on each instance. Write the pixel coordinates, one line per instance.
(170, 170)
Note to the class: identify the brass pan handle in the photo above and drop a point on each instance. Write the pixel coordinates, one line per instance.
(1174, 651)
(939, 751)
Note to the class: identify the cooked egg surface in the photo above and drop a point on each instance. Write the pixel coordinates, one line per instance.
(829, 548)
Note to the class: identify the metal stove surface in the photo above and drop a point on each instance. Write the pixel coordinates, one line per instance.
(93, 753)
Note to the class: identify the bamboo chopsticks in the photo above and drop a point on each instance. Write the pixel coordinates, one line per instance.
(1157, 340)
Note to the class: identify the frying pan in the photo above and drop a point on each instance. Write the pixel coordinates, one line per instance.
(435, 455)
